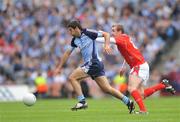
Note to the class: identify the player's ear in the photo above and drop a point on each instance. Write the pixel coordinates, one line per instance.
(77, 28)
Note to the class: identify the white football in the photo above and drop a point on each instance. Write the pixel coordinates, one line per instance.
(29, 99)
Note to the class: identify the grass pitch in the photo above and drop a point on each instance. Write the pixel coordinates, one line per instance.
(101, 110)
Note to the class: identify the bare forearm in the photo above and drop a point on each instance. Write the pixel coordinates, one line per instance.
(64, 58)
(107, 38)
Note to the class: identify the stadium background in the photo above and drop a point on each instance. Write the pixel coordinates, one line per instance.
(33, 37)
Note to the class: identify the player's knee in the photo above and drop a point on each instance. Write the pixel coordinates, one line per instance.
(71, 78)
(131, 89)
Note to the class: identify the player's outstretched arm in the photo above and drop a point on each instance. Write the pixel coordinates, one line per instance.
(107, 47)
(63, 61)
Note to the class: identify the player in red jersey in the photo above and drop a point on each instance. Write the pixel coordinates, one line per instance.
(139, 73)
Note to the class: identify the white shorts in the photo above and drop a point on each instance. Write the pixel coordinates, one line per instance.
(141, 71)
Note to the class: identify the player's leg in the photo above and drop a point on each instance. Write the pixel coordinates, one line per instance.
(162, 85)
(103, 83)
(77, 75)
(141, 91)
(134, 85)
(137, 79)
(144, 74)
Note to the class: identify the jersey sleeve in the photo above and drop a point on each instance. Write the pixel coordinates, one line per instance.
(100, 34)
(102, 40)
(93, 34)
(73, 43)
(96, 33)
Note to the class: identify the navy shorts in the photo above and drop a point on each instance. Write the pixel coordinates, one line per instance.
(94, 68)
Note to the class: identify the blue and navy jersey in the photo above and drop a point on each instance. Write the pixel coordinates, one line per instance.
(85, 43)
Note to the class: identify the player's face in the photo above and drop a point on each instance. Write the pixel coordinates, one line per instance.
(74, 32)
(114, 31)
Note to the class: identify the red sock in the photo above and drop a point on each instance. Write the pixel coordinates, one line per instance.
(137, 97)
(150, 91)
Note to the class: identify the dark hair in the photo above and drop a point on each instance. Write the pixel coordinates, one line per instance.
(119, 27)
(73, 24)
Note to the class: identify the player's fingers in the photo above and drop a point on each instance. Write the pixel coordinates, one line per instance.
(104, 50)
(121, 72)
(109, 51)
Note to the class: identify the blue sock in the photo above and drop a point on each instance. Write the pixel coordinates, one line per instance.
(81, 98)
(125, 100)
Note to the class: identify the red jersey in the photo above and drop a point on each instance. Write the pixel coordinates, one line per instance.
(129, 51)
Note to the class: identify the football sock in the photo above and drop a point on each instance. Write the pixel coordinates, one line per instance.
(125, 100)
(81, 98)
(151, 90)
(137, 97)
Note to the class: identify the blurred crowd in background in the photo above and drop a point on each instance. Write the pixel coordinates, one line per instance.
(33, 37)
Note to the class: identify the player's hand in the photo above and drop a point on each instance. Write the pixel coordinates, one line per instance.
(121, 72)
(57, 71)
(108, 49)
